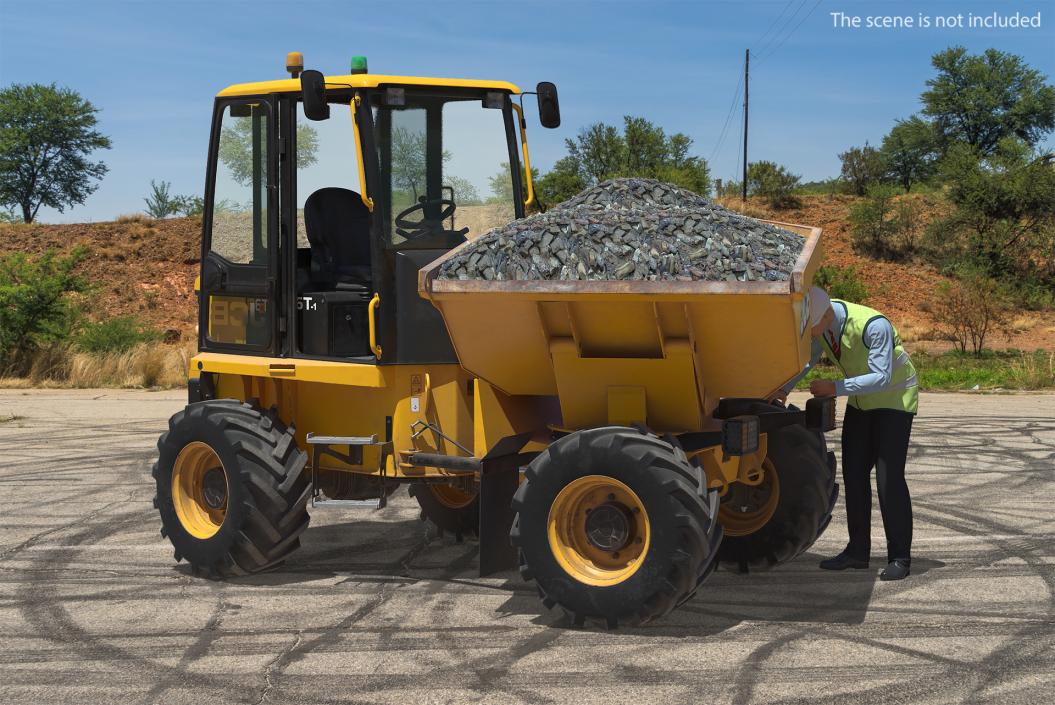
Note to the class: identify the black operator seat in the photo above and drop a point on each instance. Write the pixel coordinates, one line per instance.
(338, 228)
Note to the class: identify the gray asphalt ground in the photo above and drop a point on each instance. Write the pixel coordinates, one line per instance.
(375, 610)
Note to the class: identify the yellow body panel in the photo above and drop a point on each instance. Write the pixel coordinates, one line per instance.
(362, 80)
(354, 399)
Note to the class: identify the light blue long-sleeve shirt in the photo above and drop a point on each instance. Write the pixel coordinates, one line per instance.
(878, 336)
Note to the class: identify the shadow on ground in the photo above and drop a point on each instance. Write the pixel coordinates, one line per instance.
(371, 551)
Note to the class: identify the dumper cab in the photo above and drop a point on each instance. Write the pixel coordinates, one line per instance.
(326, 194)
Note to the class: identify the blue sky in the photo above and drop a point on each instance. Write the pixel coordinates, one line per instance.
(153, 67)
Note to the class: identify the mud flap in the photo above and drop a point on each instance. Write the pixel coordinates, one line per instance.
(498, 482)
(499, 479)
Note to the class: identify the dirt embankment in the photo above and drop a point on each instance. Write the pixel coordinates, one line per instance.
(903, 291)
(138, 266)
(146, 268)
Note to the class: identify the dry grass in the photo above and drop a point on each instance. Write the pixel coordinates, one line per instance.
(734, 203)
(1023, 323)
(1032, 371)
(134, 218)
(150, 366)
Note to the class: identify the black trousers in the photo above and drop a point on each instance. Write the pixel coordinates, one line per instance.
(877, 438)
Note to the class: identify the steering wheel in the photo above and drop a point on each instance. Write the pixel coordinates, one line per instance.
(419, 229)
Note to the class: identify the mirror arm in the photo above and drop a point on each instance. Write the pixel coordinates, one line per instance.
(530, 200)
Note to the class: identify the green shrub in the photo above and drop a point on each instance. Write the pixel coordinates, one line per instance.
(862, 168)
(115, 335)
(35, 306)
(774, 183)
(883, 227)
(841, 283)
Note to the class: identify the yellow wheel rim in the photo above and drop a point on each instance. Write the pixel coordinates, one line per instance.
(198, 494)
(598, 530)
(747, 508)
(452, 497)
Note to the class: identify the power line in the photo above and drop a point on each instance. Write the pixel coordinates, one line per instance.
(783, 26)
(793, 29)
(774, 23)
(728, 118)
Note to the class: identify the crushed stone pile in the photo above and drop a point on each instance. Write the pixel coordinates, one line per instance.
(631, 229)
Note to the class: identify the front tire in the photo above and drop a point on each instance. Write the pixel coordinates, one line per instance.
(231, 489)
(615, 524)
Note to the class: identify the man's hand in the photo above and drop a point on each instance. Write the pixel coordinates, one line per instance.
(822, 388)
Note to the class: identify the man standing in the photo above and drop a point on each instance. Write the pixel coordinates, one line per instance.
(881, 384)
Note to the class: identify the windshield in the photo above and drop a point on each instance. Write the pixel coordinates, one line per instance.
(445, 167)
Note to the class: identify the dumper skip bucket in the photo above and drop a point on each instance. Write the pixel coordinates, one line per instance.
(658, 352)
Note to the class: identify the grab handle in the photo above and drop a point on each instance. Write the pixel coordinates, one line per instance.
(374, 303)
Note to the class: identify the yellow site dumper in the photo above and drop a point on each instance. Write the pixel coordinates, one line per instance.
(610, 437)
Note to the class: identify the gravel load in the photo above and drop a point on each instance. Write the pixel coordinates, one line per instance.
(631, 229)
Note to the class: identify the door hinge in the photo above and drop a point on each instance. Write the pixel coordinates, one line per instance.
(282, 146)
(281, 324)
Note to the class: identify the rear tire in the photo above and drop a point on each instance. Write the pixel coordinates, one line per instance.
(448, 508)
(806, 473)
(263, 510)
(628, 473)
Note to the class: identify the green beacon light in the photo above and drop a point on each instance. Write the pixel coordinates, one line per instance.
(358, 64)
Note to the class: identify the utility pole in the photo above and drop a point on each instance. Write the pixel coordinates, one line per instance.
(747, 67)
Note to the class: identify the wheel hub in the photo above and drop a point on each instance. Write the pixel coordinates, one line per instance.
(608, 527)
(747, 508)
(199, 490)
(598, 530)
(214, 488)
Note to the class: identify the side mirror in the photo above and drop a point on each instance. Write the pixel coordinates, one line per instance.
(548, 107)
(313, 93)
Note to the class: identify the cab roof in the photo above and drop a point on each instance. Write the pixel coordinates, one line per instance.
(364, 80)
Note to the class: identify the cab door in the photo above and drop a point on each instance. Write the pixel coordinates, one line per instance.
(240, 231)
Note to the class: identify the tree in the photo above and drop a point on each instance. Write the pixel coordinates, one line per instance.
(773, 182)
(160, 203)
(46, 137)
(562, 182)
(862, 167)
(1004, 207)
(599, 150)
(643, 149)
(408, 161)
(910, 152)
(502, 184)
(465, 193)
(982, 99)
(236, 148)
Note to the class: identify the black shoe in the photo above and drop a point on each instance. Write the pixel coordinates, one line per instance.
(842, 562)
(897, 569)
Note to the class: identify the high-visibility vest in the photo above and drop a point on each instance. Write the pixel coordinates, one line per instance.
(851, 356)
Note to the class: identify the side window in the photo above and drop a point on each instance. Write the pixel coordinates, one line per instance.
(239, 221)
(476, 166)
(326, 158)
